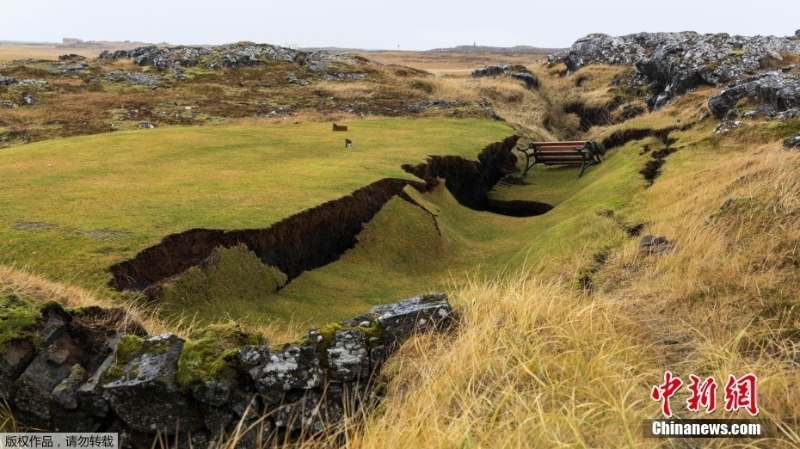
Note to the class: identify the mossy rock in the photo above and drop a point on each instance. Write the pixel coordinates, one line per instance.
(210, 354)
(18, 318)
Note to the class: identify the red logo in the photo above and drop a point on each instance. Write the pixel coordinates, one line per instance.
(740, 393)
(705, 394)
(665, 391)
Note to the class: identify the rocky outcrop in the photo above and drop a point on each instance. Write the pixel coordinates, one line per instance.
(670, 64)
(7, 81)
(231, 56)
(151, 81)
(775, 91)
(56, 379)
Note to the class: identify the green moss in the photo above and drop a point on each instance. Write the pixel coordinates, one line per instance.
(211, 354)
(128, 347)
(328, 334)
(51, 306)
(18, 317)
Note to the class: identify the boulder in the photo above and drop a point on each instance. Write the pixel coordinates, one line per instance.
(490, 70)
(145, 395)
(775, 91)
(28, 99)
(7, 81)
(146, 125)
(418, 314)
(792, 142)
(530, 80)
(651, 244)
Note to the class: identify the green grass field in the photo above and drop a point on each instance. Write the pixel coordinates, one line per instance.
(70, 208)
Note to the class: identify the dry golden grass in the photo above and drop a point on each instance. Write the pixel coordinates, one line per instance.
(40, 290)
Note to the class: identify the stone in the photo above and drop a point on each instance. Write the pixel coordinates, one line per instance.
(90, 394)
(651, 244)
(347, 357)
(792, 142)
(146, 396)
(13, 362)
(530, 80)
(217, 418)
(213, 392)
(250, 356)
(146, 125)
(7, 81)
(28, 99)
(775, 91)
(65, 393)
(48, 370)
(53, 329)
(39, 84)
(418, 314)
(672, 64)
(490, 70)
(293, 79)
(726, 126)
(297, 367)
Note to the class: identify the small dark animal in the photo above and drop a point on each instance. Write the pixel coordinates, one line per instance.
(339, 128)
(348, 143)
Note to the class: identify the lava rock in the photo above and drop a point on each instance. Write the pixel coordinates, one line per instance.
(792, 142)
(13, 362)
(530, 80)
(673, 63)
(726, 126)
(47, 371)
(401, 319)
(777, 91)
(490, 70)
(297, 367)
(146, 396)
(651, 244)
(39, 84)
(347, 357)
(65, 393)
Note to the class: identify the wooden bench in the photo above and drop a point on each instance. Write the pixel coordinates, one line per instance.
(581, 152)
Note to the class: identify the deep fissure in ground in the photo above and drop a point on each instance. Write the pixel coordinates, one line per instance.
(319, 236)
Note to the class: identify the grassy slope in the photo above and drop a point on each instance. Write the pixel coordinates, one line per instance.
(540, 363)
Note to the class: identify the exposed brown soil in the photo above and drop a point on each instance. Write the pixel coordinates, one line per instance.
(623, 136)
(590, 116)
(470, 181)
(304, 241)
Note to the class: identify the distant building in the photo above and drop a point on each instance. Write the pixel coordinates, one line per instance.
(72, 41)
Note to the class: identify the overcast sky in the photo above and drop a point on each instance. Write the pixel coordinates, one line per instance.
(373, 24)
